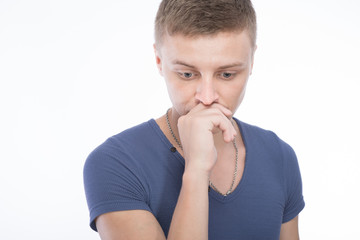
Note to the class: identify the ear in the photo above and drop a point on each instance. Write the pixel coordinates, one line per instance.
(252, 58)
(158, 59)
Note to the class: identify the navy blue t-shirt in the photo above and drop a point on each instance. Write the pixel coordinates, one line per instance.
(136, 169)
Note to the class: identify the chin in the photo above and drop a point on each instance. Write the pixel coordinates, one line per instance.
(180, 111)
(183, 109)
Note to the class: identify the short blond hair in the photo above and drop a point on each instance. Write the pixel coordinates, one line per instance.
(194, 18)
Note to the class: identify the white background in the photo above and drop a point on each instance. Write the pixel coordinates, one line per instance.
(73, 73)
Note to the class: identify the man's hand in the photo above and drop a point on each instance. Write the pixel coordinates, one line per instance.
(197, 130)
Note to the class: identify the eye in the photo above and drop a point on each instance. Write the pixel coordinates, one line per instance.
(186, 75)
(227, 75)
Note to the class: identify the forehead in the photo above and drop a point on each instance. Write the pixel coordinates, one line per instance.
(221, 48)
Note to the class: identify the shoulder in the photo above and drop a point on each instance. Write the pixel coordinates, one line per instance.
(258, 136)
(127, 139)
(123, 147)
(140, 133)
(279, 159)
(114, 179)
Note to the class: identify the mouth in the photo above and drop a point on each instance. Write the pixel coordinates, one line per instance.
(188, 109)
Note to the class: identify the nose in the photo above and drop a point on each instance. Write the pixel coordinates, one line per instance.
(206, 92)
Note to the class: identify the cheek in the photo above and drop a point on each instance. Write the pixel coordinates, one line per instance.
(235, 94)
(178, 92)
(234, 91)
(177, 88)
(241, 93)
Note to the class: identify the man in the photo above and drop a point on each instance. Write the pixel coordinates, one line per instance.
(197, 172)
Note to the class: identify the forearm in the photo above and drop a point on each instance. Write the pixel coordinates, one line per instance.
(191, 215)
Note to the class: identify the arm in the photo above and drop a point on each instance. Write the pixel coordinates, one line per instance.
(129, 225)
(196, 130)
(294, 201)
(289, 230)
(190, 218)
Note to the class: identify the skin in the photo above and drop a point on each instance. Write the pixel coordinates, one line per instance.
(206, 78)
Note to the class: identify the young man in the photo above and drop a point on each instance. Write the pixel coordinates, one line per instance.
(197, 172)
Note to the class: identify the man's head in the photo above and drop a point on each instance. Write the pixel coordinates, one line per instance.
(194, 18)
(205, 51)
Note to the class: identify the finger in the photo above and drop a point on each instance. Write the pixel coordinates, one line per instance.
(200, 107)
(227, 112)
(224, 124)
(220, 117)
(214, 112)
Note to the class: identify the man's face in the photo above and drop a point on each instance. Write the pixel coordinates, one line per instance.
(205, 69)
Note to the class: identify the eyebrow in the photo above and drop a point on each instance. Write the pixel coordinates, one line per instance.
(177, 62)
(236, 64)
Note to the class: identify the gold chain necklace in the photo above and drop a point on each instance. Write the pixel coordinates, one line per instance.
(210, 183)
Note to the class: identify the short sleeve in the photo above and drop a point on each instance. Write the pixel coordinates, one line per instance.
(112, 182)
(294, 201)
